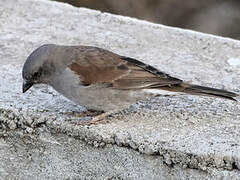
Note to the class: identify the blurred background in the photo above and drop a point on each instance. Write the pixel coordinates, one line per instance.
(219, 17)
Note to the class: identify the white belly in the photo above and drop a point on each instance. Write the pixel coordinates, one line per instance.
(95, 96)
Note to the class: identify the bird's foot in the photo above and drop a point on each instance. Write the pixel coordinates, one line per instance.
(98, 117)
(84, 113)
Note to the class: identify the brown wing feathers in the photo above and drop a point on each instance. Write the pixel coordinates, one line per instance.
(143, 76)
(92, 74)
(120, 72)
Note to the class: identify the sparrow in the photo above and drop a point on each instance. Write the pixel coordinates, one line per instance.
(100, 79)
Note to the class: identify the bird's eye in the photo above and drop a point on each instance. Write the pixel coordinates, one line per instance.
(36, 74)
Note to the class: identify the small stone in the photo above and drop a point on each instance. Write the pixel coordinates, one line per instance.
(12, 125)
(29, 130)
(29, 120)
(11, 116)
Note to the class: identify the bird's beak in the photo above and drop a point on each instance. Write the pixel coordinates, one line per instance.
(26, 86)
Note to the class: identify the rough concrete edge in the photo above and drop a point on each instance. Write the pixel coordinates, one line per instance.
(171, 157)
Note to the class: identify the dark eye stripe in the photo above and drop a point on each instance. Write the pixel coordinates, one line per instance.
(36, 74)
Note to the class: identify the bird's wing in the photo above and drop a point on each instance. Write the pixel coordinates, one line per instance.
(99, 66)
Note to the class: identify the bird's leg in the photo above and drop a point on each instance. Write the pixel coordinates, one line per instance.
(97, 117)
(89, 112)
(101, 118)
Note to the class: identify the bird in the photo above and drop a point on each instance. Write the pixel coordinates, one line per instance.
(102, 80)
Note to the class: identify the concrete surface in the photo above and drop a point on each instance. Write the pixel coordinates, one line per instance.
(167, 137)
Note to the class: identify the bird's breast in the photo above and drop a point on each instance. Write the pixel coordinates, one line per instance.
(94, 96)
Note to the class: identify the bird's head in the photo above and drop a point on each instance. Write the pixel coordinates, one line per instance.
(38, 67)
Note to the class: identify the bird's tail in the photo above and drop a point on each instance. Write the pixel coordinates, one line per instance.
(207, 91)
(198, 90)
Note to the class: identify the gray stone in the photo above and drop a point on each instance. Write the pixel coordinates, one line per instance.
(169, 136)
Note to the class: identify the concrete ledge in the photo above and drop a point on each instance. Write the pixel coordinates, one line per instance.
(167, 136)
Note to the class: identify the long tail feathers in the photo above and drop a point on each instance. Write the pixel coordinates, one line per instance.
(206, 91)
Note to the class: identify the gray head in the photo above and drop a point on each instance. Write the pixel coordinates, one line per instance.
(38, 67)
